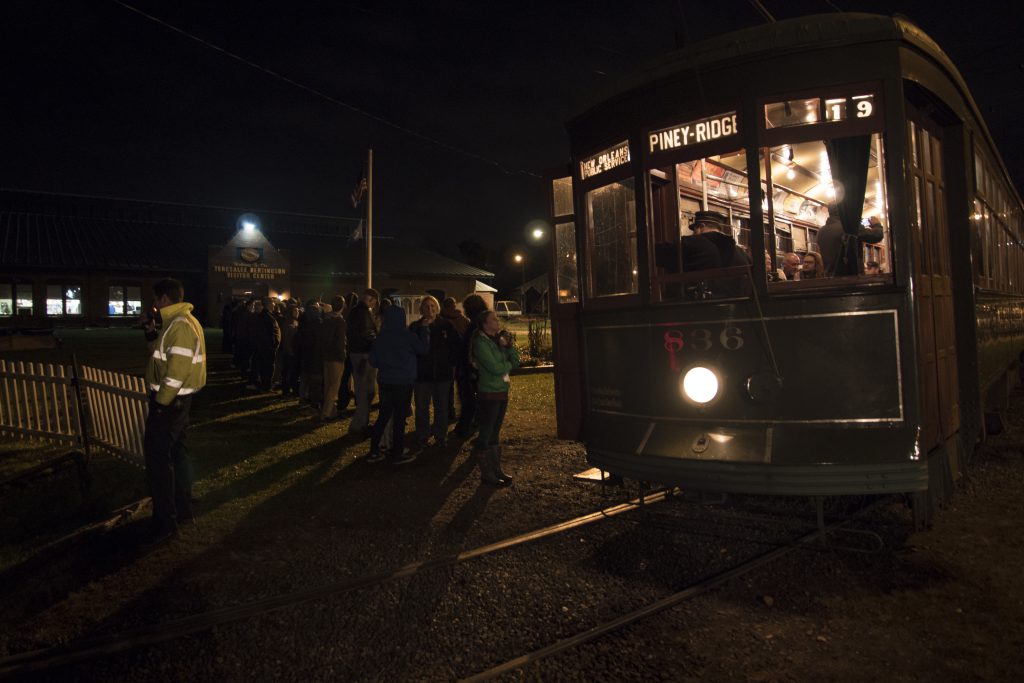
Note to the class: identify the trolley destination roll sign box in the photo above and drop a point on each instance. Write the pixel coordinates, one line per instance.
(692, 133)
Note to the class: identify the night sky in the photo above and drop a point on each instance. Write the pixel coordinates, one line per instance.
(99, 100)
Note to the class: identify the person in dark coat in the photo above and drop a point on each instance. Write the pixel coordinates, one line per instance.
(333, 342)
(289, 361)
(266, 339)
(362, 334)
(345, 392)
(708, 226)
(451, 313)
(394, 355)
(434, 372)
(466, 374)
(830, 244)
(309, 355)
(242, 344)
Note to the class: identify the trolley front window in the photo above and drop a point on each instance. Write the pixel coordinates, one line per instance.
(611, 223)
(825, 204)
(823, 184)
(716, 183)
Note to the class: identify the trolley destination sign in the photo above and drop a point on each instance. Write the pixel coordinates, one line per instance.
(606, 160)
(694, 132)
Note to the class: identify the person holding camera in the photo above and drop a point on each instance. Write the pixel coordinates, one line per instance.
(175, 373)
(494, 356)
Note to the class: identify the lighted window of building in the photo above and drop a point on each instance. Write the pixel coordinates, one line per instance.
(63, 300)
(115, 301)
(124, 300)
(6, 299)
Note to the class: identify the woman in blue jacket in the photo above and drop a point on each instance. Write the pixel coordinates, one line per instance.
(394, 355)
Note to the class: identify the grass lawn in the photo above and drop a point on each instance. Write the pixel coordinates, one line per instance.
(247, 449)
(117, 349)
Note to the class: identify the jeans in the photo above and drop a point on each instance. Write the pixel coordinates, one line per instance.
(491, 414)
(168, 469)
(438, 393)
(394, 406)
(365, 376)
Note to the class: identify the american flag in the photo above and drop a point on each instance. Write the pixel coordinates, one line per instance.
(359, 190)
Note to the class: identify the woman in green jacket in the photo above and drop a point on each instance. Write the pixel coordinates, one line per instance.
(494, 356)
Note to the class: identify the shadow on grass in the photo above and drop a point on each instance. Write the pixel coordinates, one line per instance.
(277, 496)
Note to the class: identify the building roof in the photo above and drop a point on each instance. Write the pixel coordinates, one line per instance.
(40, 231)
(539, 284)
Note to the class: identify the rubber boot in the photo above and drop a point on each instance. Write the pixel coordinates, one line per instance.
(494, 455)
(487, 475)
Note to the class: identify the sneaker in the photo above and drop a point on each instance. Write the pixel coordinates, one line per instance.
(375, 457)
(405, 458)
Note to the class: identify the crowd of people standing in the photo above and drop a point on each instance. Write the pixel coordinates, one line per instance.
(350, 349)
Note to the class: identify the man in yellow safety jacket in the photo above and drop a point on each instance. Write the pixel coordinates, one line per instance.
(176, 371)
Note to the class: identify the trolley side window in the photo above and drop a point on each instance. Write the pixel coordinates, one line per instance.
(566, 273)
(611, 223)
(996, 242)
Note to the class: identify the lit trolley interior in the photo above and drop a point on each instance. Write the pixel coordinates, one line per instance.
(862, 312)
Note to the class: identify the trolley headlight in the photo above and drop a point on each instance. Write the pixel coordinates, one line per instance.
(700, 384)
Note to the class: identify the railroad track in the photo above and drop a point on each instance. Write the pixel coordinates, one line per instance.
(92, 648)
(693, 590)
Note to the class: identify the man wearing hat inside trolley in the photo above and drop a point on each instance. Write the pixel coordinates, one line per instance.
(709, 226)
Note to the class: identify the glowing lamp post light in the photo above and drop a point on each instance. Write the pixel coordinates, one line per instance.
(518, 258)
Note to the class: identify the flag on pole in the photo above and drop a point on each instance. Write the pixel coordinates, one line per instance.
(357, 232)
(359, 190)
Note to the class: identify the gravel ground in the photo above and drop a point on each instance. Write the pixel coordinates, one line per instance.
(942, 603)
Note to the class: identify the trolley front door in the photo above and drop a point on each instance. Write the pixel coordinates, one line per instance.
(932, 270)
(564, 300)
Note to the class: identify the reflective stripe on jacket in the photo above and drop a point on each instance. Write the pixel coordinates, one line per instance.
(177, 362)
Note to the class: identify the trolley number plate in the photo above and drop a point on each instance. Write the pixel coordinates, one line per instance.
(729, 338)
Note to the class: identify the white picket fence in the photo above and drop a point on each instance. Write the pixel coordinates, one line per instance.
(117, 405)
(81, 406)
(39, 400)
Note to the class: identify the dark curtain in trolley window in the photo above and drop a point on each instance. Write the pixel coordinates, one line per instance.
(612, 219)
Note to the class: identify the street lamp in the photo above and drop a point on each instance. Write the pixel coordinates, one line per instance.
(538, 233)
(518, 258)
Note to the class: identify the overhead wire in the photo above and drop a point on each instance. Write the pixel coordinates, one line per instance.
(334, 100)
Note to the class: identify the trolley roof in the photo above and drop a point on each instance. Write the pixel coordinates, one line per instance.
(792, 37)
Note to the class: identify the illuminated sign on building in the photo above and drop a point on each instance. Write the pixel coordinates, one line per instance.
(694, 132)
(249, 271)
(606, 160)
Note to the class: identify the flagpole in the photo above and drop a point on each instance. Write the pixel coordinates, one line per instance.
(369, 219)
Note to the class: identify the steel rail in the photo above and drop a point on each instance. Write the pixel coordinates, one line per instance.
(91, 648)
(687, 593)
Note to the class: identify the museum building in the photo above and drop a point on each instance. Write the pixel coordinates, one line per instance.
(76, 261)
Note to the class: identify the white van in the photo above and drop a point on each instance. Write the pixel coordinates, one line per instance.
(507, 309)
